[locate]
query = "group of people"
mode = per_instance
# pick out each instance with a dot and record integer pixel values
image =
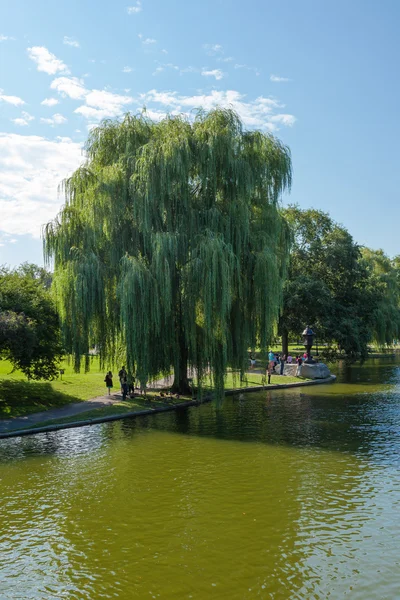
(126, 380)
(275, 359)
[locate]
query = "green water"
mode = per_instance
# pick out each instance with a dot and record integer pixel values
(291, 494)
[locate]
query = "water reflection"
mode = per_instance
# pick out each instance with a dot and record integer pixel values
(289, 495)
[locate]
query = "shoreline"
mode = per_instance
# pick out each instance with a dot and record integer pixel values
(158, 409)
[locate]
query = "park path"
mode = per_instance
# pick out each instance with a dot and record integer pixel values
(76, 408)
(69, 410)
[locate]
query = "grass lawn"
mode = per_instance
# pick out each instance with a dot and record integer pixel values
(130, 405)
(19, 397)
(254, 379)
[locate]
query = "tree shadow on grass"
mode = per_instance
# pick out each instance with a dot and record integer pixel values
(20, 398)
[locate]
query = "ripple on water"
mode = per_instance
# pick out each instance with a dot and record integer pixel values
(283, 495)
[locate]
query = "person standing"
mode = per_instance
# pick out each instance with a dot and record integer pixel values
(289, 359)
(109, 382)
(131, 384)
(270, 369)
(124, 389)
(299, 362)
(122, 378)
(283, 360)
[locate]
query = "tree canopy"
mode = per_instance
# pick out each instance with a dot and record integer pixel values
(29, 324)
(384, 281)
(348, 293)
(171, 244)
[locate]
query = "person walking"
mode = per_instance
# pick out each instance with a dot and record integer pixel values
(124, 389)
(269, 370)
(131, 384)
(109, 382)
(299, 362)
(283, 360)
(122, 377)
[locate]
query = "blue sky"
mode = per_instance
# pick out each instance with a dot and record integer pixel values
(321, 75)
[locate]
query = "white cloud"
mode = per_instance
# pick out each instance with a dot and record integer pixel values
(4, 38)
(164, 51)
(287, 120)
(146, 41)
(14, 100)
(133, 10)
(127, 70)
(49, 102)
(69, 86)
(46, 61)
(213, 49)
(31, 168)
(56, 119)
(260, 113)
(254, 69)
(24, 119)
(163, 66)
(106, 100)
(188, 70)
(69, 41)
(277, 79)
(101, 104)
(217, 73)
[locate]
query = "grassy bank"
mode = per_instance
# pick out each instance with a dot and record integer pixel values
(19, 397)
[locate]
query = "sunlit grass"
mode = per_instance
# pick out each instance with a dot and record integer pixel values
(19, 397)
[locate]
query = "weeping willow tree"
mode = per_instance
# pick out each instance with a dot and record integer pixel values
(383, 279)
(172, 245)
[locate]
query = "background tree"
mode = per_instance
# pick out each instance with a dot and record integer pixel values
(29, 324)
(329, 285)
(384, 275)
(171, 242)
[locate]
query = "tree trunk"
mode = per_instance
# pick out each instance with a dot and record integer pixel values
(181, 383)
(285, 342)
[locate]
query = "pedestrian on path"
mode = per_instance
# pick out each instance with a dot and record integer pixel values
(283, 360)
(109, 382)
(299, 362)
(270, 368)
(123, 375)
(131, 384)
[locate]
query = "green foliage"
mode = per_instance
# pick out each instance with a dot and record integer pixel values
(350, 295)
(29, 325)
(384, 281)
(19, 398)
(171, 244)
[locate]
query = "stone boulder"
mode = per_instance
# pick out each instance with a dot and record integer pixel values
(316, 371)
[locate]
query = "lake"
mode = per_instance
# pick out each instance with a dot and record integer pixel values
(282, 494)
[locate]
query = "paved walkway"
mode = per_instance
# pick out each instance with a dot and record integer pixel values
(78, 408)
(69, 410)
